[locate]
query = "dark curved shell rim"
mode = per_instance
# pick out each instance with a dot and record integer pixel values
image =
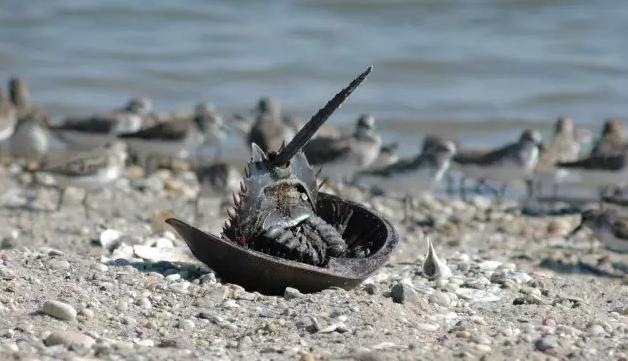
(280, 273)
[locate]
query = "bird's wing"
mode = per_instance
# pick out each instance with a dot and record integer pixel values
(85, 164)
(597, 163)
(94, 124)
(470, 156)
(325, 150)
(399, 167)
(172, 130)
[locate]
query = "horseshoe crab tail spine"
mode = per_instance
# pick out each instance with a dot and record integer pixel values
(304, 135)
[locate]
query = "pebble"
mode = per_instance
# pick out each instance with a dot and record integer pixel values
(440, 299)
(596, 330)
(173, 277)
(546, 343)
(144, 303)
(69, 339)
(60, 310)
(292, 293)
(186, 324)
(6, 273)
(230, 304)
(59, 264)
(109, 239)
(528, 300)
(402, 292)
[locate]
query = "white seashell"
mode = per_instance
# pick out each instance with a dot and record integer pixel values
(434, 267)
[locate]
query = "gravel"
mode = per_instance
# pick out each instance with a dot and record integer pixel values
(513, 289)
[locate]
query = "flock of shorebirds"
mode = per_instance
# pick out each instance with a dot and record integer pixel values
(91, 152)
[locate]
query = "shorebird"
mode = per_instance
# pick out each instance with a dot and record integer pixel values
(90, 170)
(564, 147)
(612, 141)
(218, 179)
(411, 175)
(598, 171)
(21, 99)
(340, 158)
(609, 226)
(419, 173)
(175, 139)
(387, 155)
(31, 138)
(8, 116)
(98, 129)
(515, 161)
(271, 129)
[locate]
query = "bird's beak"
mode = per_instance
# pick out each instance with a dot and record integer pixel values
(575, 230)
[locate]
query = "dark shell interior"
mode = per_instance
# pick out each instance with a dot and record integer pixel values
(258, 271)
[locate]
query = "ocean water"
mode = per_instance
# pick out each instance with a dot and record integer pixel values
(482, 69)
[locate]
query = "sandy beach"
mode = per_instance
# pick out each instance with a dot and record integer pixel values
(120, 285)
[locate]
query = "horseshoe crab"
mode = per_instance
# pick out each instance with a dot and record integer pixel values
(283, 232)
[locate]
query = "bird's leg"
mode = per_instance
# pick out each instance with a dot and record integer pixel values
(450, 185)
(85, 206)
(501, 193)
(197, 201)
(530, 188)
(407, 204)
(463, 190)
(61, 195)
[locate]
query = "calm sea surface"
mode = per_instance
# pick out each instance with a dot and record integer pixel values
(497, 64)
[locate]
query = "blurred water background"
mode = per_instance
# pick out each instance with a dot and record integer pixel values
(482, 69)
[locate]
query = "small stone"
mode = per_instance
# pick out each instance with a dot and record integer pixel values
(69, 339)
(546, 343)
(528, 300)
(440, 299)
(109, 239)
(596, 330)
(100, 267)
(230, 304)
(87, 312)
(60, 310)
(144, 303)
(402, 292)
(483, 347)
(173, 277)
(59, 264)
(370, 288)
(481, 339)
(549, 322)
(292, 293)
(6, 273)
(308, 357)
(186, 324)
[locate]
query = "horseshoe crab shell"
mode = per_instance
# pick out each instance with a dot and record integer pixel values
(257, 271)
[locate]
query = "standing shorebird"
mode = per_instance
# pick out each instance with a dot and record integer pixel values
(418, 174)
(8, 116)
(613, 139)
(271, 129)
(564, 147)
(598, 171)
(90, 170)
(515, 161)
(609, 226)
(387, 155)
(98, 129)
(175, 139)
(340, 158)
